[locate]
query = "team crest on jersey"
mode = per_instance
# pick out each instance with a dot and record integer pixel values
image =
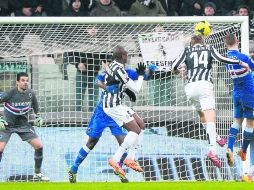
(30, 95)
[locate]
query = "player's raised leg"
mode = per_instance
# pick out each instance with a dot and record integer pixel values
(130, 159)
(233, 131)
(220, 140)
(248, 135)
(130, 139)
(82, 154)
(207, 117)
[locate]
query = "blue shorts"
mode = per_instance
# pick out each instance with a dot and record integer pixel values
(99, 121)
(243, 105)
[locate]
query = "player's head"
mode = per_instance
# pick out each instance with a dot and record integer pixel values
(22, 81)
(231, 40)
(120, 54)
(197, 39)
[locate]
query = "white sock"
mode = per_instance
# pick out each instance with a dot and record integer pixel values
(130, 139)
(133, 149)
(132, 152)
(211, 131)
(218, 138)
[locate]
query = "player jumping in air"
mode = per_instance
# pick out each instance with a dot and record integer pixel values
(100, 121)
(243, 98)
(120, 113)
(198, 59)
(17, 103)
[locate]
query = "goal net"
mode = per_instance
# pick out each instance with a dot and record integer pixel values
(175, 144)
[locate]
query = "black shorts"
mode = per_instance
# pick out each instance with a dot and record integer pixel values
(26, 133)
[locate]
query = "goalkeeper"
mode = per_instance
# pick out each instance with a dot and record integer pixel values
(100, 120)
(18, 101)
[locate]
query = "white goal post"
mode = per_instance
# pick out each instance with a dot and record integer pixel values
(175, 144)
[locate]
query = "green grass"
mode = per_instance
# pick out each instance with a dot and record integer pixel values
(130, 186)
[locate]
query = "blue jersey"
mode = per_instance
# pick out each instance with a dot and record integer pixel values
(100, 120)
(243, 93)
(241, 77)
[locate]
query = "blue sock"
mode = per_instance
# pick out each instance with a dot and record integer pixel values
(122, 159)
(247, 135)
(232, 135)
(79, 159)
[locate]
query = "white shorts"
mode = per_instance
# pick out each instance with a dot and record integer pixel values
(201, 95)
(120, 114)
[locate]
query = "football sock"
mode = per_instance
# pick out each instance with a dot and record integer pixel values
(132, 152)
(218, 138)
(247, 135)
(123, 158)
(1, 155)
(83, 152)
(211, 131)
(130, 139)
(38, 157)
(133, 149)
(232, 135)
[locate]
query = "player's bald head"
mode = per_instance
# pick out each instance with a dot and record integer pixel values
(118, 53)
(197, 39)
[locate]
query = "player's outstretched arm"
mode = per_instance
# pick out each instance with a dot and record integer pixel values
(136, 86)
(218, 57)
(179, 61)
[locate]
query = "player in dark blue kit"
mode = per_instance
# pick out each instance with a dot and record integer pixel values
(243, 98)
(100, 120)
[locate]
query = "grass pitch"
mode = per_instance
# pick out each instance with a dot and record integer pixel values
(130, 186)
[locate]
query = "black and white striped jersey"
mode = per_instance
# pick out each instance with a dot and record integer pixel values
(198, 60)
(115, 74)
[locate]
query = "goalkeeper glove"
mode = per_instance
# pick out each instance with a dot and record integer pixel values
(3, 123)
(131, 95)
(152, 67)
(38, 120)
(141, 69)
(113, 89)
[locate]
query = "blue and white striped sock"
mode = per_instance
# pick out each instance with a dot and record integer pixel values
(83, 152)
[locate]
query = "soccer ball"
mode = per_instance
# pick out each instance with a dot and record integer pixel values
(203, 28)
